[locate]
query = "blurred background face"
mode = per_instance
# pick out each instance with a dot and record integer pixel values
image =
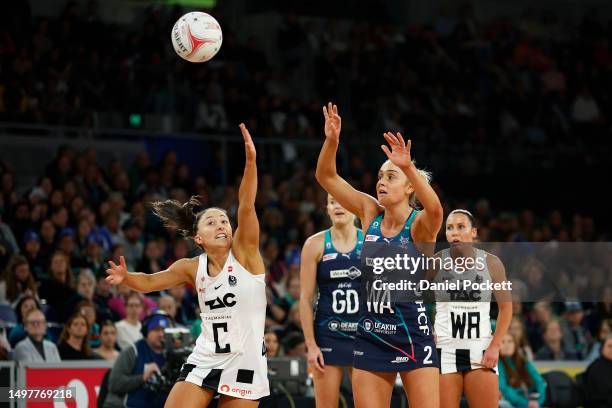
(553, 332)
(459, 228)
(338, 214)
(90, 314)
(26, 306)
(22, 272)
(542, 312)
(516, 328)
(606, 349)
(168, 305)
(508, 346)
(36, 325)
(108, 336)
(78, 328)
(294, 288)
(58, 268)
(133, 307)
(86, 286)
(155, 338)
(271, 344)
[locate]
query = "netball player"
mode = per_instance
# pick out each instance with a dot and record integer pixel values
(229, 356)
(391, 337)
(330, 262)
(467, 349)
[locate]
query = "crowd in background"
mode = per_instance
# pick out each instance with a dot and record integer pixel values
(457, 82)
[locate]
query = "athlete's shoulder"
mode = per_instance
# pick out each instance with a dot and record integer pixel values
(313, 245)
(187, 266)
(493, 262)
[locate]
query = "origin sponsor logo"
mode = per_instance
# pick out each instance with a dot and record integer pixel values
(329, 257)
(371, 238)
(235, 390)
(358, 353)
(327, 349)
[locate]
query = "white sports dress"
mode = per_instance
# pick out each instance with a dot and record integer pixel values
(229, 356)
(462, 322)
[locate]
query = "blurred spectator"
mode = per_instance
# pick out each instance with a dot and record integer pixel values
(17, 281)
(35, 348)
(132, 243)
(151, 261)
(85, 290)
(185, 311)
(87, 308)
(597, 382)
(8, 243)
(272, 346)
(128, 329)
(57, 289)
(517, 330)
(575, 335)
(108, 341)
(73, 342)
(294, 345)
(605, 331)
(31, 250)
(24, 306)
(518, 377)
(540, 316)
(554, 348)
(102, 295)
(135, 366)
(118, 303)
(168, 305)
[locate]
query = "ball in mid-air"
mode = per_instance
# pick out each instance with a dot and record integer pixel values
(196, 37)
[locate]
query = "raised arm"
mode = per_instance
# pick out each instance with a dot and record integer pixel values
(311, 253)
(247, 234)
(181, 271)
(428, 222)
(362, 205)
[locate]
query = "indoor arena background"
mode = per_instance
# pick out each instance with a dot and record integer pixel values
(508, 103)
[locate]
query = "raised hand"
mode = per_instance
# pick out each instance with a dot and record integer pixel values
(117, 273)
(333, 122)
(400, 151)
(249, 146)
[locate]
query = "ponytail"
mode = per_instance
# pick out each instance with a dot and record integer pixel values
(413, 200)
(180, 217)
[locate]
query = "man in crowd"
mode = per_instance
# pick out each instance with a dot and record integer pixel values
(34, 347)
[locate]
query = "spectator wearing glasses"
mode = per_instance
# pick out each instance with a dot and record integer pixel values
(128, 329)
(34, 347)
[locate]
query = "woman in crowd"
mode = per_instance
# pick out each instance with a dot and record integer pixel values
(520, 383)
(73, 343)
(108, 341)
(17, 281)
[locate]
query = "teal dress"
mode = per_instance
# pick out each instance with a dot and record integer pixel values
(518, 396)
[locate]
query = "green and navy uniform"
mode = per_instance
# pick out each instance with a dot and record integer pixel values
(337, 306)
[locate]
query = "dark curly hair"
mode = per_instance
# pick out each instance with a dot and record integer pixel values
(183, 218)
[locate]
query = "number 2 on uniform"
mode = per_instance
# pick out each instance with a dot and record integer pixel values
(427, 359)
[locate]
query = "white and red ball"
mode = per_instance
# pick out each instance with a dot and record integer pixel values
(197, 37)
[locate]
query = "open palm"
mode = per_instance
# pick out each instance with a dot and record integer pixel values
(399, 154)
(333, 121)
(116, 273)
(249, 146)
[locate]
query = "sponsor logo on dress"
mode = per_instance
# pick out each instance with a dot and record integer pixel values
(230, 268)
(351, 273)
(333, 325)
(327, 349)
(232, 280)
(329, 257)
(400, 359)
(377, 327)
(357, 353)
(235, 390)
(371, 238)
